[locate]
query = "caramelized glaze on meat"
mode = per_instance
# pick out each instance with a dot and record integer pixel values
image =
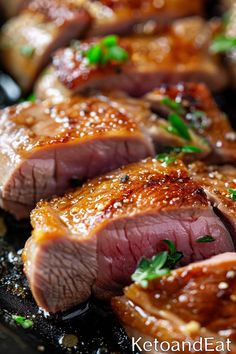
(74, 118)
(217, 182)
(194, 301)
(94, 237)
(43, 146)
(31, 37)
(112, 16)
(180, 53)
(231, 32)
(126, 192)
(211, 124)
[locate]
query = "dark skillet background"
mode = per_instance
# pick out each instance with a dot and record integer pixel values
(93, 323)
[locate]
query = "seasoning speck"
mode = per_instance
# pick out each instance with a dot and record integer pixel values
(223, 285)
(117, 205)
(230, 274)
(124, 179)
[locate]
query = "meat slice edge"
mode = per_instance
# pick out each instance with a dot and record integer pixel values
(116, 231)
(31, 37)
(44, 147)
(194, 301)
(149, 64)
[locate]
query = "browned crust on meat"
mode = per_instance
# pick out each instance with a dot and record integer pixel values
(194, 293)
(130, 190)
(58, 11)
(75, 120)
(217, 181)
(216, 128)
(119, 16)
(170, 51)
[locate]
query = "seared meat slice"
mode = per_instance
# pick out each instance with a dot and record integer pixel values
(91, 240)
(219, 182)
(43, 147)
(11, 8)
(112, 16)
(180, 53)
(231, 32)
(200, 112)
(156, 124)
(192, 302)
(30, 38)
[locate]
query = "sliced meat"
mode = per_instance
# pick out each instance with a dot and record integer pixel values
(231, 32)
(91, 240)
(180, 53)
(194, 302)
(43, 147)
(30, 38)
(156, 124)
(197, 107)
(112, 16)
(217, 182)
(11, 8)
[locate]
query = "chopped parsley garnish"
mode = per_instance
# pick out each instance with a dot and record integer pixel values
(107, 50)
(187, 149)
(205, 239)
(223, 44)
(165, 158)
(232, 194)
(23, 321)
(27, 50)
(168, 158)
(31, 98)
(173, 105)
(157, 266)
(178, 126)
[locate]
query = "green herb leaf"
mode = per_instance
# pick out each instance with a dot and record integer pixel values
(31, 98)
(165, 158)
(187, 149)
(173, 105)
(106, 50)
(174, 256)
(177, 122)
(110, 41)
(27, 50)
(223, 44)
(94, 54)
(232, 194)
(205, 239)
(171, 130)
(117, 54)
(157, 266)
(23, 321)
